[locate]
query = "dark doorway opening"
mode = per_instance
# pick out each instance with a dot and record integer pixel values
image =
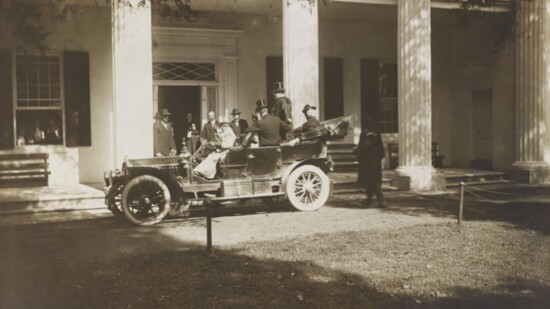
(334, 87)
(180, 100)
(274, 74)
(370, 95)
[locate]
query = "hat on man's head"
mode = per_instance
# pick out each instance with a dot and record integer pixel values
(261, 103)
(164, 112)
(157, 115)
(235, 111)
(278, 87)
(308, 107)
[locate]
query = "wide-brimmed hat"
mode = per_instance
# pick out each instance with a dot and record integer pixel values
(261, 103)
(308, 107)
(164, 112)
(235, 111)
(278, 87)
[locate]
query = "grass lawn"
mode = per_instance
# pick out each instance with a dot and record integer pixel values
(500, 258)
(484, 265)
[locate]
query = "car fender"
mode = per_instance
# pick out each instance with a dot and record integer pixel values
(319, 162)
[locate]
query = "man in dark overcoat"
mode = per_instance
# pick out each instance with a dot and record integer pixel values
(269, 127)
(238, 125)
(283, 105)
(163, 135)
(370, 152)
(209, 129)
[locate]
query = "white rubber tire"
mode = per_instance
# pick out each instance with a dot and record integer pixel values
(307, 188)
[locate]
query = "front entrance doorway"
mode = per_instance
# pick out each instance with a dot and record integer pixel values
(180, 100)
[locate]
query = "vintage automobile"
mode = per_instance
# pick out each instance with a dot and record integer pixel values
(147, 190)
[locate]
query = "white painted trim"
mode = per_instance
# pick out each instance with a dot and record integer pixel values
(186, 60)
(184, 83)
(499, 8)
(174, 45)
(225, 33)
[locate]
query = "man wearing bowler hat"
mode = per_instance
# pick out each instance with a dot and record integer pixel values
(238, 125)
(269, 127)
(283, 105)
(163, 135)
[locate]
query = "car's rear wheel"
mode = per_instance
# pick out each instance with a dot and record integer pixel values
(307, 188)
(145, 200)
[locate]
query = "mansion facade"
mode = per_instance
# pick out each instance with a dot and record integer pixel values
(416, 66)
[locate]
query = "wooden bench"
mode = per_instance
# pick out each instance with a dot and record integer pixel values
(393, 155)
(24, 170)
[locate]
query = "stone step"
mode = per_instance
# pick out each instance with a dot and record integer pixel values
(479, 183)
(331, 146)
(474, 178)
(343, 158)
(344, 151)
(47, 199)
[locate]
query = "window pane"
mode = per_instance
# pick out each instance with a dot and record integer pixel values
(38, 78)
(42, 127)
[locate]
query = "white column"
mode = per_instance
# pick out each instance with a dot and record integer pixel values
(228, 86)
(132, 80)
(301, 55)
(532, 95)
(415, 94)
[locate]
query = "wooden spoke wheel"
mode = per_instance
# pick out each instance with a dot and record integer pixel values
(307, 188)
(145, 200)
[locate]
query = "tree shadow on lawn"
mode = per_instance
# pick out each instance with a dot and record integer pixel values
(528, 215)
(101, 264)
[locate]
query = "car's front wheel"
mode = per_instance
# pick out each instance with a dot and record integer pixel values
(307, 188)
(115, 205)
(145, 200)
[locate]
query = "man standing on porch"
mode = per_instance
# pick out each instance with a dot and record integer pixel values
(163, 135)
(209, 129)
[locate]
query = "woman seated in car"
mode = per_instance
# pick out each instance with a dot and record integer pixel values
(225, 139)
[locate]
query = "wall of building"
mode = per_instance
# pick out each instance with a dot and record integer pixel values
(477, 63)
(467, 65)
(88, 30)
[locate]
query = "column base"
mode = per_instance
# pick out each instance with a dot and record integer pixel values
(530, 172)
(419, 178)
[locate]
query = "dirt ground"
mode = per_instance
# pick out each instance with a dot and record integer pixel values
(411, 254)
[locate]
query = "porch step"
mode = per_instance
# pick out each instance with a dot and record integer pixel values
(346, 182)
(453, 179)
(343, 157)
(47, 199)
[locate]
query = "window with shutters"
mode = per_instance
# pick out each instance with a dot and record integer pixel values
(38, 100)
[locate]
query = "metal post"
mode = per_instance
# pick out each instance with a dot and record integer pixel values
(208, 226)
(461, 205)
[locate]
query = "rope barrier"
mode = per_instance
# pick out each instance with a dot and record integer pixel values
(480, 197)
(470, 189)
(491, 191)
